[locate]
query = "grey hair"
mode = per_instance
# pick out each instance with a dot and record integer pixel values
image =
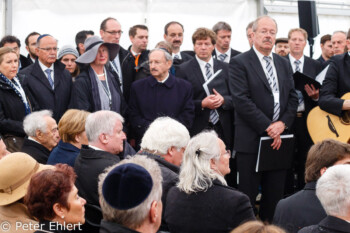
(163, 133)
(195, 173)
(221, 26)
(36, 121)
(333, 190)
(342, 32)
(134, 217)
(101, 122)
(167, 55)
(255, 23)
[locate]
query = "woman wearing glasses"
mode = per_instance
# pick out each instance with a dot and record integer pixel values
(202, 201)
(96, 87)
(14, 104)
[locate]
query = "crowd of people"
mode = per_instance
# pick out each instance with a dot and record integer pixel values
(97, 138)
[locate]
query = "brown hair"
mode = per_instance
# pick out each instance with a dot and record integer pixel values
(324, 154)
(297, 30)
(257, 227)
(325, 38)
(47, 188)
(164, 45)
(171, 23)
(6, 50)
(203, 34)
(133, 29)
(71, 124)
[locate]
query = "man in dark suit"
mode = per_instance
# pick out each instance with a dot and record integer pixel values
(307, 98)
(160, 94)
(47, 80)
(42, 138)
(223, 52)
(336, 84)
(265, 104)
(327, 51)
(111, 31)
(174, 35)
(333, 190)
(303, 208)
(211, 111)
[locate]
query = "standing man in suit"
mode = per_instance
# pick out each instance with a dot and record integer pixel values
(265, 104)
(307, 99)
(327, 51)
(213, 111)
(222, 50)
(111, 31)
(47, 80)
(174, 35)
(337, 83)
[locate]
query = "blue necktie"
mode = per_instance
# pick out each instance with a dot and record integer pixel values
(49, 77)
(222, 57)
(214, 115)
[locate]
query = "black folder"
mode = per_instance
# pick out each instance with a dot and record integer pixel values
(300, 80)
(270, 159)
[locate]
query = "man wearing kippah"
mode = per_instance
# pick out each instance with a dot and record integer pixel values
(130, 196)
(47, 80)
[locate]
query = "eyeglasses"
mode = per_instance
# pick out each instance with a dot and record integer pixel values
(55, 49)
(265, 32)
(115, 33)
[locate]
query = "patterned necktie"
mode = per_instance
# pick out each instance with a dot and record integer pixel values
(273, 84)
(214, 115)
(300, 95)
(49, 77)
(222, 57)
(177, 57)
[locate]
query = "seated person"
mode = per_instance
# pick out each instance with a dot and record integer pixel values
(53, 199)
(14, 181)
(333, 190)
(140, 212)
(42, 133)
(71, 129)
(303, 208)
(202, 191)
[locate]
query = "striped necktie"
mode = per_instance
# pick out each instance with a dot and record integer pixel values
(222, 57)
(49, 77)
(274, 87)
(214, 115)
(300, 95)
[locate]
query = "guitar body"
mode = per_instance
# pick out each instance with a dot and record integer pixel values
(322, 125)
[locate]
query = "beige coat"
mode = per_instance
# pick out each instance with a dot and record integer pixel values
(17, 217)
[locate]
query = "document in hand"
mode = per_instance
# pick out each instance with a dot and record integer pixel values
(206, 84)
(301, 80)
(270, 159)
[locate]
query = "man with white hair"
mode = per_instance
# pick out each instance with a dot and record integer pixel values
(165, 141)
(42, 132)
(161, 94)
(47, 80)
(338, 42)
(104, 130)
(333, 191)
(139, 212)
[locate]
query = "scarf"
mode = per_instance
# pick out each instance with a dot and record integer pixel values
(16, 86)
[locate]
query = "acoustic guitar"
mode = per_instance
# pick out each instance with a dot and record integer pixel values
(322, 125)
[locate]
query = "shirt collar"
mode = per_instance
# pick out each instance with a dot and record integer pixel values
(261, 56)
(43, 67)
(95, 148)
(228, 53)
(168, 81)
(292, 59)
(178, 54)
(203, 63)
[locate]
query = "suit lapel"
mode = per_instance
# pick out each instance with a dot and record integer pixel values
(57, 78)
(38, 73)
(280, 72)
(197, 72)
(256, 64)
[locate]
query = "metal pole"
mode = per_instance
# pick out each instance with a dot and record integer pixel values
(8, 17)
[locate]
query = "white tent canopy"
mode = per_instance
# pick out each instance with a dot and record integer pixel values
(64, 18)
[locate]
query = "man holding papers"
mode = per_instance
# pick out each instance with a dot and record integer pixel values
(307, 98)
(265, 105)
(212, 111)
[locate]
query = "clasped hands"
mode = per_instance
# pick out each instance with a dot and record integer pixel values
(274, 131)
(213, 101)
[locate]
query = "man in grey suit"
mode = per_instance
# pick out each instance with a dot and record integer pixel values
(265, 105)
